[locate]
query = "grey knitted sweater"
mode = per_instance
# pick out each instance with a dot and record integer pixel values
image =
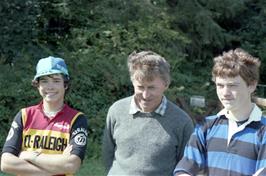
(144, 144)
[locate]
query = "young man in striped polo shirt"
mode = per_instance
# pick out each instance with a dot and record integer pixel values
(233, 142)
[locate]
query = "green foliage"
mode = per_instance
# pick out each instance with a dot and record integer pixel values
(19, 29)
(91, 167)
(253, 32)
(95, 38)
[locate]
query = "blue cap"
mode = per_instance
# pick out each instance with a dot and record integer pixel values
(51, 65)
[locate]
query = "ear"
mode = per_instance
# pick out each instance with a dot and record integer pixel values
(166, 86)
(65, 86)
(253, 86)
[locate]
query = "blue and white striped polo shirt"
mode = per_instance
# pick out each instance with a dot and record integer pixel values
(213, 148)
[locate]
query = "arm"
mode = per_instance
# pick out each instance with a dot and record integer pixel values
(259, 172)
(182, 174)
(108, 147)
(70, 160)
(54, 163)
(14, 165)
(194, 159)
(187, 131)
(10, 162)
(261, 157)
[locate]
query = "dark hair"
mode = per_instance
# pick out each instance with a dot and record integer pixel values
(35, 83)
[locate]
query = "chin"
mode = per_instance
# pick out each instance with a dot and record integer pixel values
(146, 109)
(228, 107)
(50, 100)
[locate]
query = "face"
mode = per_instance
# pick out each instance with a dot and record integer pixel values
(148, 94)
(234, 93)
(52, 88)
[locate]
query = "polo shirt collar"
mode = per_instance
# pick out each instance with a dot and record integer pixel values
(40, 107)
(255, 114)
(160, 110)
(233, 128)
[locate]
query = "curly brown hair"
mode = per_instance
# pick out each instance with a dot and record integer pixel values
(237, 62)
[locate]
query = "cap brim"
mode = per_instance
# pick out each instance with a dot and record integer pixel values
(48, 73)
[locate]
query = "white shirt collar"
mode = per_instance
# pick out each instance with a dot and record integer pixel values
(255, 114)
(233, 128)
(160, 110)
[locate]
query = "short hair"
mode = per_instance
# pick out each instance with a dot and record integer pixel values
(237, 62)
(146, 65)
(35, 83)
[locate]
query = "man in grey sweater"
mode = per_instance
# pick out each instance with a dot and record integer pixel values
(145, 134)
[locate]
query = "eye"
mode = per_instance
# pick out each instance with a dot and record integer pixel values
(57, 80)
(43, 81)
(219, 85)
(232, 85)
(152, 88)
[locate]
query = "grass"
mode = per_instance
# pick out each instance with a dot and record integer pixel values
(90, 167)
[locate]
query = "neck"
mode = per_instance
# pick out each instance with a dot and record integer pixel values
(242, 114)
(48, 107)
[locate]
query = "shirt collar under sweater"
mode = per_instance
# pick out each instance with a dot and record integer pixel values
(160, 110)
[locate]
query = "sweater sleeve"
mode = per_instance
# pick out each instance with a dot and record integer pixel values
(188, 130)
(194, 159)
(108, 147)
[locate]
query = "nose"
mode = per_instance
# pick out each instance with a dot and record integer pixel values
(50, 85)
(145, 94)
(226, 90)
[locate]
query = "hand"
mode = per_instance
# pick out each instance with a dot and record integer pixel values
(29, 155)
(68, 150)
(182, 174)
(259, 172)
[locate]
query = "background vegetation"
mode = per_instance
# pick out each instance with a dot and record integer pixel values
(96, 36)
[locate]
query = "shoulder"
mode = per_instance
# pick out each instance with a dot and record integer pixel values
(263, 120)
(80, 122)
(29, 113)
(261, 125)
(123, 103)
(178, 118)
(76, 115)
(211, 122)
(31, 108)
(71, 110)
(174, 110)
(80, 117)
(211, 118)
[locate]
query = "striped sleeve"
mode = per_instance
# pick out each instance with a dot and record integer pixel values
(261, 158)
(194, 159)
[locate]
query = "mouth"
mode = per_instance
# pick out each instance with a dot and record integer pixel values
(227, 100)
(50, 93)
(145, 100)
